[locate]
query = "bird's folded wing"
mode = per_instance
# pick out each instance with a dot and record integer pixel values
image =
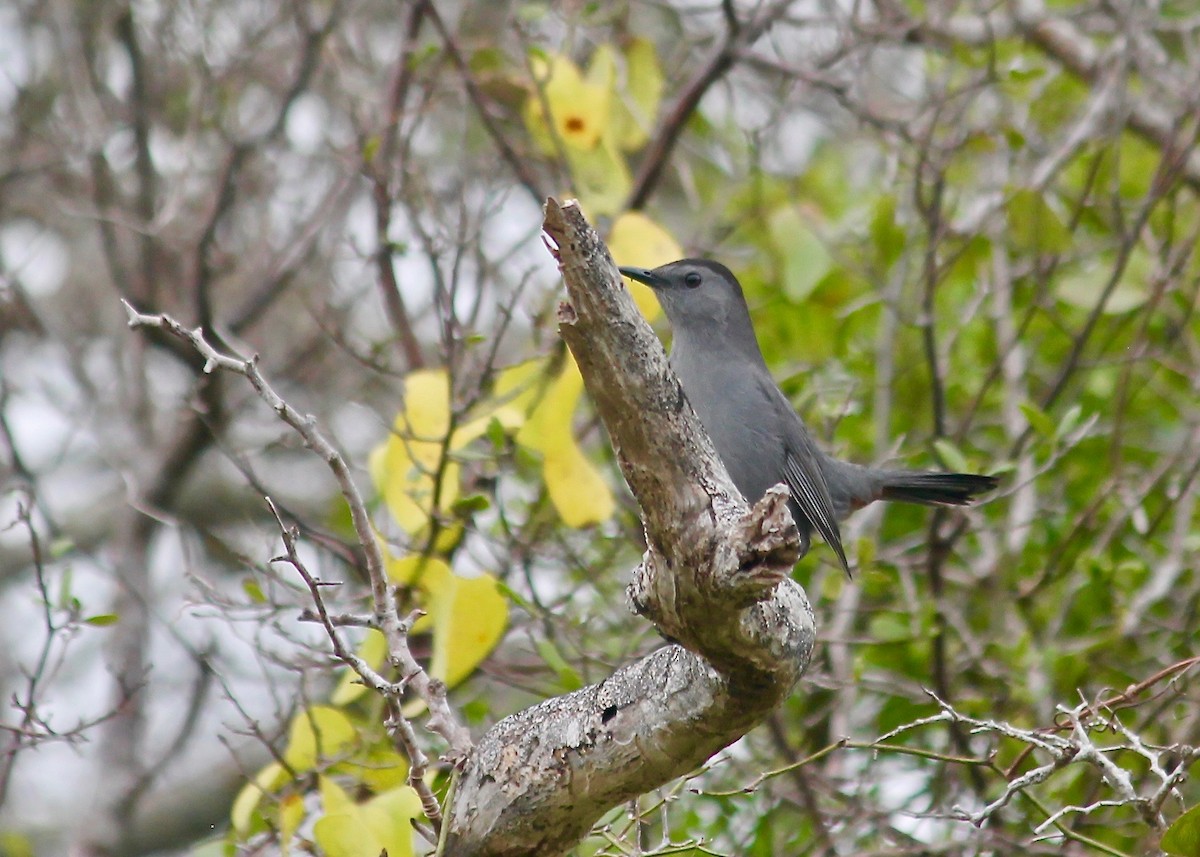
(806, 481)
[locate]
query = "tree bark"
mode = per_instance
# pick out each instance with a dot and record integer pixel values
(715, 579)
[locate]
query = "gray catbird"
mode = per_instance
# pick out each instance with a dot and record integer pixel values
(751, 423)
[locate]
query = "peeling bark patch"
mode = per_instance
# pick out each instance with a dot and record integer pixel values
(566, 313)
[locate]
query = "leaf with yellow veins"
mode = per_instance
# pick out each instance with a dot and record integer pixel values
(637, 240)
(317, 733)
(578, 108)
(576, 488)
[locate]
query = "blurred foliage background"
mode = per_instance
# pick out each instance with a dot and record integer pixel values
(967, 232)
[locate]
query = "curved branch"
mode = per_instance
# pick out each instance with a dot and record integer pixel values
(715, 579)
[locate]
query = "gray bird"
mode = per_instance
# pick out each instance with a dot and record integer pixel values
(760, 439)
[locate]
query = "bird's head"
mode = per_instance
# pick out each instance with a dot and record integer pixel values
(701, 298)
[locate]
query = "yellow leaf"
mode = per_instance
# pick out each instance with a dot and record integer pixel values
(517, 387)
(366, 830)
(469, 616)
(388, 817)
(512, 395)
(333, 797)
(380, 769)
(405, 471)
(342, 831)
(404, 467)
(637, 240)
(415, 569)
(317, 733)
(343, 835)
(291, 814)
(578, 109)
(426, 414)
(576, 487)
(265, 781)
(350, 686)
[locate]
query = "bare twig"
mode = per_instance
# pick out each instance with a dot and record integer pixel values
(515, 161)
(396, 723)
(737, 38)
(442, 719)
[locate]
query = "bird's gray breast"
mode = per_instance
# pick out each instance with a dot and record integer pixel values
(739, 419)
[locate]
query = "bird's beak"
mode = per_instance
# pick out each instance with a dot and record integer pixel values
(645, 275)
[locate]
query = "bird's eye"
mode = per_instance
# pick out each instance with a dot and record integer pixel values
(692, 280)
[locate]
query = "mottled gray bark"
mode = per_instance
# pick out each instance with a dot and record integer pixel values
(715, 579)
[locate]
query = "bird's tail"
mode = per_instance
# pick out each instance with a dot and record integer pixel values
(934, 489)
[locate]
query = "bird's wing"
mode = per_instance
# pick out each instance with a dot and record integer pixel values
(807, 484)
(806, 480)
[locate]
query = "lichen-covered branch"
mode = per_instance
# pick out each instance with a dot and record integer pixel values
(715, 579)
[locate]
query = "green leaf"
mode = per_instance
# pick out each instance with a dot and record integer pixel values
(1038, 420)
(1070, 420)
(496, 433)
(802, 255)
(1084, 285)
(633, 116)
(1183, 837)
(600, 177)
(1033, 225)
(65, 599)
(371, 148)
(102, 620)
(888, 238)
(568, 677)
(951, 455)
(470, 505)
(253, 590)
